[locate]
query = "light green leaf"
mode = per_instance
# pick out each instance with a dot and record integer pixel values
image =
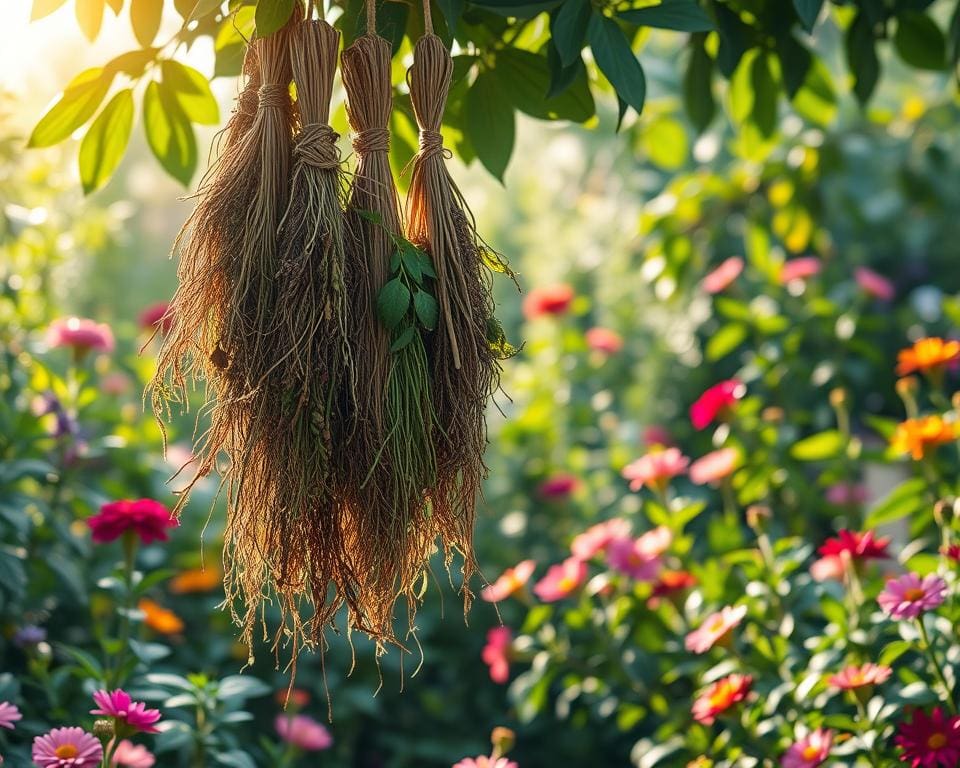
(724, 341)
(169, 132)
(77, 105)
(664, 141)
(823, 445)
(105, 142)
(192, 92)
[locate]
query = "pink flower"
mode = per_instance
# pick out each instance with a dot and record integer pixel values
(721, 696)
(115, 383)
(812, 750)
(929, 741)
(561, 580)
(147, 518)
(640, 558)
(909, 596)
(597, 538)
(133, 714)
(604, 340)
(852, 676)
(548, 300)
(829, 568)
(303, 732)
(715, 466)
(130, 755)
(559, 487)
(656, 468)
(156, 315)
(800, 269)
(715, 629)
(723, 276)
(874, 284)
(716, 402)
(843, 494)
(496, 653)
(80, 334)
(657, 435)
(67, 748)
(482, 761)
(9, 714)
(509, 582)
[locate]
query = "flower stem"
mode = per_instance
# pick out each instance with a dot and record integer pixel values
(129, 561)
(935, 664)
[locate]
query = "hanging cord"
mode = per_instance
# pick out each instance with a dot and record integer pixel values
(371, 17)
(427, 18)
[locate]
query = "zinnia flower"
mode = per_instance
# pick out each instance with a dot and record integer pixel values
(482, 761)
(671, 584)
(160, 619)
(196, 580)
(715, 629)
(67, 748)
(843, 494)
(559, 487)
(81, 335)
(720, 696)
(509, 582)
(800, 269)
(930, 740)
(723, 276)
(496, 653)
(597, 538)
(716, 402)
(561, 580)
(852, 676)
(951, 552)
(147, 518)
(828, 569)
(604, 340)
(919, 436)
(926, 355)
(656, 468)
(909, 596)
(133, 714)
(874, 284)
(156, 315)
(303, 732)
(640, 558)
(130, 755)
(9, 714)
(857, 546)
(547, 300)
(812, 750)
(714, 466)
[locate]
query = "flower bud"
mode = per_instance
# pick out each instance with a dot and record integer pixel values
(907, 385)
(772, 414)
(502, 739)
(104, 730)
(838, 397)
(757, 516)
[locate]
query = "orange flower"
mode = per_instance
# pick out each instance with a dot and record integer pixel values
(160, 619)
(927, 355)
(195, 580)
(919, 436)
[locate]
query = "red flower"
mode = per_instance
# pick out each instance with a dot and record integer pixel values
(858, 546)
(147, 518)
(930, 740)
(951, 552)
(156, 315)
(716, 402)
(548, 300)
(558, 487)
(670, 585)
(496, 653)
(604, 340)
(720, 696)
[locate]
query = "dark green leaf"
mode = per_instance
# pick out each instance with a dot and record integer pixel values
(169, 132)
(920, 42)
(272, 15)
(192, 92)
(452, 11)
(42, 8)
(404, 339)
(765, 96)
(77, 105)
(616, 60)
(106, 141)
(393, 303)
(735, 40)
(145, 17)
(697, 85)
(428, 312)
(808, 11)
(817, 99)
(89, 17)
(562, 77)
(795, 63)
(568, 27)
(525, 77)
(862, 58)
(490, 123)
(682, 15)
(519, 10)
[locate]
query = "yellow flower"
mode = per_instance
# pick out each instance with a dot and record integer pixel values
(195, 580)
(159, 619)
(927, 355)
(919, 436)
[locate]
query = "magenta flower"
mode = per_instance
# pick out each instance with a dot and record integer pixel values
(303, 732)
(482, 761)
(810, 751)
(81, 335)
(715, 629)
(561, 580)
(67, 748)
(909, 596)
(874, 284)
(930, 741)
(9, 714)
(558, 487)
(130, 755)
(800, 269)
(714, 466)
(625, 556)
(723, 276)
(604, 340)
(156, 316)
(147, 518)
(496, 653)
(597, 538)
(716, 403)
(132, 714)
(656, 468)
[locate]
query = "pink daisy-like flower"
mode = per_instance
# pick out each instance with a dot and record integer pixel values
(656, 468)
(149, 519)
(721, 696)
(548, 300)
(597, 538)
(930, 741)
(604, 340)
(9, 714)
(800, 269)
(118, 705)
(715, 629)
(716, 402)
(482, 761)
(130, 755)
(496, 653)
(81, 335)
(714, 466)
(843, 494)
(67, 748)
(640, 558)
(810, 751)
(558, 487)
(562, 580)
(874, 284)
(303, 732)
(909, 595)
(852, 676)
(509, 582)
(156, 316)
(723, 276)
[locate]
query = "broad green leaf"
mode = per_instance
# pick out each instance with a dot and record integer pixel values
(169, 132)
(404, 339)
(724, 341)
(89, 17)
(145, 17)
(664, 141)
(272, 15)
(42, 8)
(823, 445)
(519, 10)
(905, 499)
(393, 303)
(817, 100)
(616, 60)
(105, 142)
(894, 651)
(766, 93)
(192, 91)
(132, 63)
(735, 39)
(862, 57)
(489, 123)
(698, 86)
(427, 309)
(568, 27)
(920, 42)
(525, 77)
(77, 105)
(681, 15)
(452, 11)
(808, 11)
(230, 44)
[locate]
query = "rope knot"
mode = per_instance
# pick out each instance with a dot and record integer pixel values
(247, 102)
(317, 146)
(431, 143)
(274, 95)
(372, 140)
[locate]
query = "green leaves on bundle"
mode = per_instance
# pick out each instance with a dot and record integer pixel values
(406, 303)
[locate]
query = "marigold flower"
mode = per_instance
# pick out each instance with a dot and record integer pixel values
(656, 468)
(130, 755)
(874, 284)
(858, 546)
(509, 582)
(852, 676)
(160, 619)
(303, 732)
(931, 354)
(562, 580)
(196, 580)
(714, 466)
(496, 653)
(9, 714)
(800, 269)
(723, 276)
(155, 316)
(715, 629)
(908, 596)
(716, 402)
(721, 696)
(147, 518)
(80, 334)
(559, 487)
(482, 761)
(604, 340)
(133, 714)
(67, 748)
(930, 740)
(548, 300)
(810, 751)
(597, 538)
(920, 436)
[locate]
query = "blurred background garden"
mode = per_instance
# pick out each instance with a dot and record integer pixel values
(709, 458)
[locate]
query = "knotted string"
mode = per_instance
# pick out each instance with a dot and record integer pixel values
(372, 140)
(317, 146)
(274, 95)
